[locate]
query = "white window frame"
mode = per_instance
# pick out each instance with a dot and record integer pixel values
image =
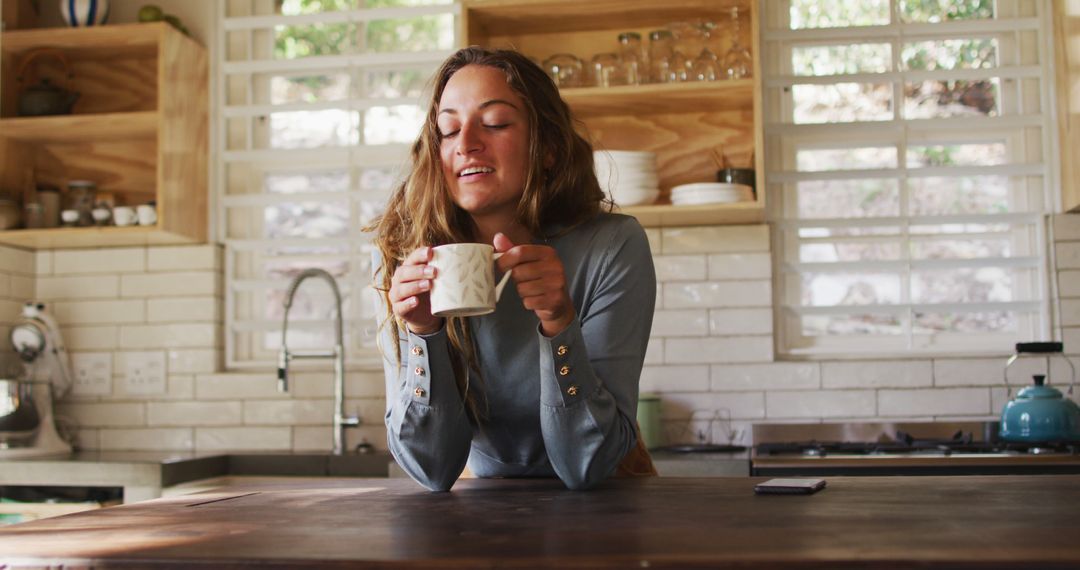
(783, 139)
(243, 334)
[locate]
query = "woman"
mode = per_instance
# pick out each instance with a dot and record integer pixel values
(546, 385)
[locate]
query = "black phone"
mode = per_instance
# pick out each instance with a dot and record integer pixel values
(789, 487)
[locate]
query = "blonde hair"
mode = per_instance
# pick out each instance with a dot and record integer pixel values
(421, 211)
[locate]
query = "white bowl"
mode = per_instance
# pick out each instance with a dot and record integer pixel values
(634, 196)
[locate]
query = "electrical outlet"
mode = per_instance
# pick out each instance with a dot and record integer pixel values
(93, 373)
(145, 372)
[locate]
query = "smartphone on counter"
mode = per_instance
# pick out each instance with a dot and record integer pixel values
(789, 487)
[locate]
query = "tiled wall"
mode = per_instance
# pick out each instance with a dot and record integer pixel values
(710, 357)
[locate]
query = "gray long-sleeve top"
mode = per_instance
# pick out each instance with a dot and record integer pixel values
(564, 405)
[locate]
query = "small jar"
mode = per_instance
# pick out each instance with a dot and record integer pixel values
(33, 216)
(632, 58)
(49, 198)
(9, 214)
(81, 194)
(607, 70)
(566, 70)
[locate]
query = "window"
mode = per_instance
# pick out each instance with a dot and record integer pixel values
(910, 160)
(319, 101)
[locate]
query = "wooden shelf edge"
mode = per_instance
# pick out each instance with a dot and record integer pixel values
(666, 216)
(91, 237)
(661, 98)
(147, 34)
(81, 128)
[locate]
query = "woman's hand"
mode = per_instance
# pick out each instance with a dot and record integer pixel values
(410, 295)
(541, 282)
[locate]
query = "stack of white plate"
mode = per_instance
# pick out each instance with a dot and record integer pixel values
(710, 193)
(628, 177)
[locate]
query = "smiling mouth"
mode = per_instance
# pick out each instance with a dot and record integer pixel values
(473, 171)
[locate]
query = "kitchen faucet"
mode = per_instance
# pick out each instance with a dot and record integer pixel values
(338, 354)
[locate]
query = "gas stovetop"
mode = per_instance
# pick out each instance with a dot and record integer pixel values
(903, 449)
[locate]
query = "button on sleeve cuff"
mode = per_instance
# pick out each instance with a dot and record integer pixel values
(566, 377)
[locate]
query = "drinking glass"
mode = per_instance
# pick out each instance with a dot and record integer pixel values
(607, 70)
(661, 55)
(737, 61)
(632, 58)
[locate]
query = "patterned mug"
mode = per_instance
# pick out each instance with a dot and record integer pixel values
(464, 283)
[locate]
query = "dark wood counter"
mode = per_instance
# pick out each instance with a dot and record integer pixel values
(872, 522)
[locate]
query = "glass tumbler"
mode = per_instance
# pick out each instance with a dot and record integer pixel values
(632, 58)
(661, 55)
(566, 70)
(607, 70)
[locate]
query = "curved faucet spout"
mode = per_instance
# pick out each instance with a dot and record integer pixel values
(337, 354)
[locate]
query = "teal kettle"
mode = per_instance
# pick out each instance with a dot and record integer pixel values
(1039, 413)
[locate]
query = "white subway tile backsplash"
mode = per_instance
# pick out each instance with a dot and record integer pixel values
(16, 261)
(243, 438)
(180, 335)
(99, 312)
(1068, 254)
(1066, 227)
(110, 261)
(1070, 312)
(22, 288)
(877, 374)
(715, 239)
(43, 262)
(1071, 337)
(184, 310)
(970, 371)
(193, 360)
(675, 379)
(1068, 283)
(712, 406)
(821, 404)
(654, 352)
(185, 257)
(740, 266)
(238, 386)
(194, 413)
(717, 294)
(89, 287)
(944, 401)
(320, 384)
(653, 235)
(178, 284)
(289, 412)
(694, 322)
(106, 414)
(680, 267)
(90, 338)
(148, 439)
(718, 350)
(730, 322)
(773, 376)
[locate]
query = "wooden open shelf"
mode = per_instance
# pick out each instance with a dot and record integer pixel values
(139, 129)
(710, 96)
(685, 124)
(81, 128)
(704, 215)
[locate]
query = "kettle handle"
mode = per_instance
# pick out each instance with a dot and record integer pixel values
(1040, 347)
(39, 52)
(1053, 347)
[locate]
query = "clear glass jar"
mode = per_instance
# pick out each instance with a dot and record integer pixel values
(607, 70)
(566, 70)
(81, 194)
(632, 58)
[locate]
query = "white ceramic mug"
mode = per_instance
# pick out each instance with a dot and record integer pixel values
(147, 215)
(464, 283)
(124, 215)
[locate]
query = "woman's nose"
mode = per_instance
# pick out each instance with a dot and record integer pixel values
(469, 140)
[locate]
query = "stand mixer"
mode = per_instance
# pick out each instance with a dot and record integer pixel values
(27, 423)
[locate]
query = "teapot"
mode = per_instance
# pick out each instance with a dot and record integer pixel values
(44, 98)
(1040, 413)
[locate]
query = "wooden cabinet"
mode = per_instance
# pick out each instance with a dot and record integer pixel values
(1067, 52)
(683, 123)
(138, 130)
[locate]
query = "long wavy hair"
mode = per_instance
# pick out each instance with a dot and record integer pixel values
(422, 212)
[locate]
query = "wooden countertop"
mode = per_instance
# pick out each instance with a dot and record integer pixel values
(870, 522)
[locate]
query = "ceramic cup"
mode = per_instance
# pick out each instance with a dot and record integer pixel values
(69, 217)
(124, 216)
(101, 216)
(464, 283)
(147, 215)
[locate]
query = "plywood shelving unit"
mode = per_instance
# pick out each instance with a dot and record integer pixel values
(139, 129)
(682, 123)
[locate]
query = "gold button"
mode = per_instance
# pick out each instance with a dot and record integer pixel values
(419, 371)
(419, 392)
(572, 390)
(564, 371)
(563, 349)
(416, 350)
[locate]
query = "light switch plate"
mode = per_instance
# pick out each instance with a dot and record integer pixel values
(145, 372)
(93, 373)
